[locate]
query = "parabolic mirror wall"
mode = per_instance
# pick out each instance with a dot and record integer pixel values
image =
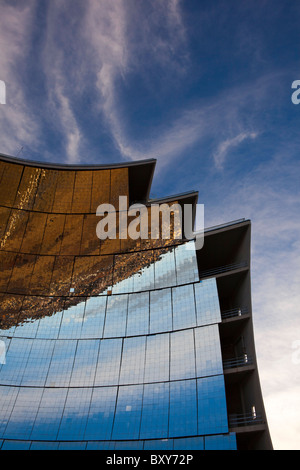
(109, 344)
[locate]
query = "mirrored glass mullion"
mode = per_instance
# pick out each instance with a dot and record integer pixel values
(8, 396)
(38, 363)
(116, 316)
(182, 361)
(133, 360)
(186, 263)
(16, 360)
(94, 316)
(165, 270)
(212, 408)
(207, 302)
(157, 360)
(24, 412)
(74, 418)
(183, 408)
(101, 413)
(208, 351)
(72, 319)
(184, 314)
(138, 314)
(84, 368)
(160, 310)
(49, 326)
(155, 411)
(61, 364)
(128, 412)
(109, 359)
(49, 414)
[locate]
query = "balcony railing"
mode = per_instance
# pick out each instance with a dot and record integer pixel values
(240, 361)
(222, 269)
(234, 312)
(249, 419)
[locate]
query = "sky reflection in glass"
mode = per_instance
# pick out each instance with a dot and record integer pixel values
(137, 364)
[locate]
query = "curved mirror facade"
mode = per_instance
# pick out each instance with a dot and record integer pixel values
(102, 348)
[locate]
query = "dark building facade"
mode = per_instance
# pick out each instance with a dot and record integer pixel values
(120, 344)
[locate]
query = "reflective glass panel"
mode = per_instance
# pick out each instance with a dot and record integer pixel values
(129, 445)
(37, 366)
(94, 315)
(116, 316)
(47, 421)
(155, 412)
(189, 443)
(101, 445)
(184, 315)
(101, 413)
(157, 362)
(212, 411)
(16, 359)
(8, 397)
(208, 351)
(16, 445)
(183, 408)
(27, 329)
(128, 412)
(133, 360)
(61, 365)
(165, 270)
(144, 278)
(72, 320)
(48, 327)
(186, 263)
(24, 412)
(159, 444)
(72, 446)
(44, 445)
(108, 365)
(221, 442)
(85, 362)
(182, 364)
(207, 302)
(138, 314)
(75, 414)
(123, 273)
(160, 311)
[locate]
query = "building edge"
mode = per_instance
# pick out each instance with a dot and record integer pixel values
(226, 256)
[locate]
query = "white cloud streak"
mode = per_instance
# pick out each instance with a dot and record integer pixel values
(111, 32)
(264, 197)
(228, 144)
(107, 42)
(17, 123)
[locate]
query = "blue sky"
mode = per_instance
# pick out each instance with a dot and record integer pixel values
(205, 88)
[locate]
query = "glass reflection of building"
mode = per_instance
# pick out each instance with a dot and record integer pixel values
(120, 344)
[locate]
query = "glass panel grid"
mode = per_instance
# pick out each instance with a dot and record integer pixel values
(133, 360)
(207, 302)
(141, 364)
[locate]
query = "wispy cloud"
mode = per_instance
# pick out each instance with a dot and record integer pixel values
(101, 48)
(264, 196)
(125, 39)
(17, 123)
(228, 144)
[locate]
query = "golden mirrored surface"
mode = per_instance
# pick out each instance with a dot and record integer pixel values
(49, 249)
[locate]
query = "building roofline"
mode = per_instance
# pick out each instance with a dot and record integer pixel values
(140, 172)
(227, 225)
(190, 195)
(65, 166)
